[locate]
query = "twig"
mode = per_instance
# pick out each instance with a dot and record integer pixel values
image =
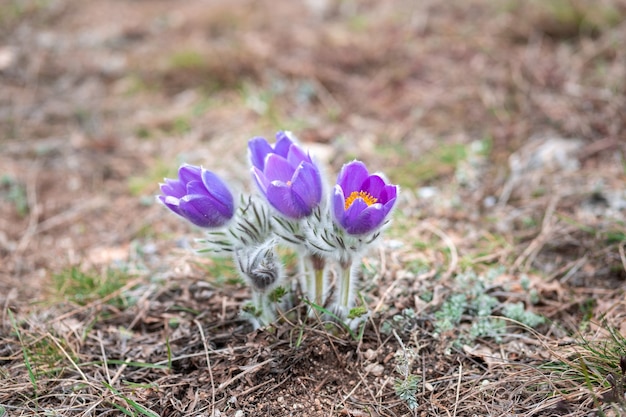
(208, 364)
(385, 294)
(104, 358)
(530, 253)
(33, 217)
(244, 394)
(120, 370)
(229, 350)
(577, 265)
(69, 215)
(56, 342)
(325, 96)
(362, 381)
(449, 243)
(248, 370)
(399, 340)
(458, 389)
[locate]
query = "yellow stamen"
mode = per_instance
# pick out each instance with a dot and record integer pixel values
(364, 195)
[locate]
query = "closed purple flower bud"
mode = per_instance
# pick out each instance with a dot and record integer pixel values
(286, 175)
(199, 196)
(361, 202)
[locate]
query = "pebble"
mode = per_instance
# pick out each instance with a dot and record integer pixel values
(8, 57)
(375, 369)
(370, 354)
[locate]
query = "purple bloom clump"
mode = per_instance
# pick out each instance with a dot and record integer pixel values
(199, 196)
(361, 201)
(286, 175)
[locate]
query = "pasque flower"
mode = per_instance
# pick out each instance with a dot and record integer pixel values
(199, 196)
(329, 239)
(286, 175)
(361, 201)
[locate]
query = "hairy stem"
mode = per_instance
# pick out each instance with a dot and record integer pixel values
(263, 307)
(347, 280)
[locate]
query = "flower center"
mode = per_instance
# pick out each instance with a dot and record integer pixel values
(364, 195)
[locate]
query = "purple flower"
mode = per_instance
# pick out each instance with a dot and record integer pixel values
(361, 201)
(199, 196)
(286, 176)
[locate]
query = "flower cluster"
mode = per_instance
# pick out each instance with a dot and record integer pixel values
(326, 233)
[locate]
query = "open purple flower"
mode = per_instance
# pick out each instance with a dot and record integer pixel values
(199, 196)
(361, 201)
(286, 175)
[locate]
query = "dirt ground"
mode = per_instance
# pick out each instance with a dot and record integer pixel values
(503, 122)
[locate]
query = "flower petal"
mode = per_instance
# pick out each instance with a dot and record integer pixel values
(351, 215)
(374, 185)
(278, 169)
(259, 149)
(282, 198)
(302, 207)
(389, 193)
(170, 202)
(196, 188)
(339, 203)
(219, 191)
(368, 220)
(352, 176)
(307, 184)
(389, 205)
(202, 211)
(196, 191)
(283, 143)
(261, 180)
(173, 188)
(188, 173)
(296, 156)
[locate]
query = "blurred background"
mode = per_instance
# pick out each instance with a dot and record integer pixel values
(481, 110)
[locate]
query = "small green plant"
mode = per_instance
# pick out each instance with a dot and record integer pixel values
(220, 271)
(434, 164)
(472, 304)
(519, 313)
(404, 323)
(26, 355)
(15, 193)
(136, 409)
(277, 294)
(356, 312)
(83, 287)
(13, 11)
(143, 184)
(599, 358)
(618, 384)
(450, 313)
(180, 126)
(354, 320)
(597, 365)
(407, 384)
(187, 59)
(533, 294)
(406, 388)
